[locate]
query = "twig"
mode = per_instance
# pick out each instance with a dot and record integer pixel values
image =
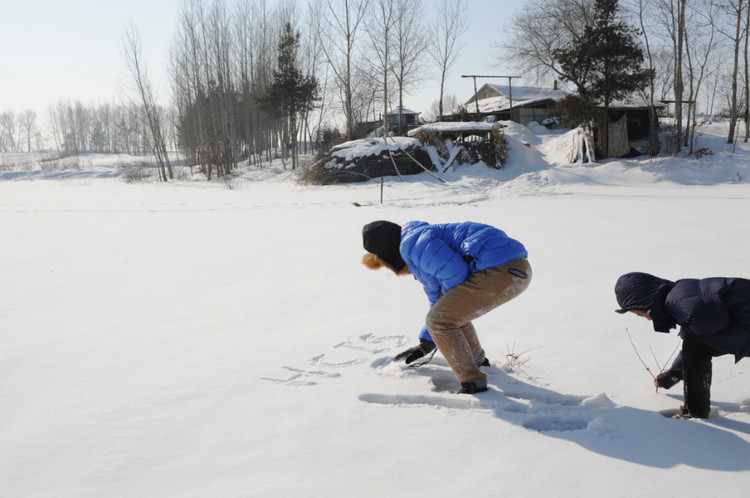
(671, 356)
(395, 167)
(638, 355)
(514, 359)
(415, 160)
(422, 166)
(653, 355)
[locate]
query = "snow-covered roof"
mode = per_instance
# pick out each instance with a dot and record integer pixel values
(351, 150)
(526, 95)
(634, 102)
(522, 96)
(404, 110)
(459, 126)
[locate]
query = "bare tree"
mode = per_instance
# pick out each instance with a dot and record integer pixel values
(314, 63)
(104, 128)
(640, 9)
(7, 132)
(679, 85)
(340, 30)
(734, 9)
(410, 45)
(449, 25)
(134, 62)
(188, 65)
(450, 101)
(71, 125)
(380, 27)
(669, 24)
(747, 72)
(698, 51)
(27, 121)
(54, 120)
(254, 46)
(542, 28)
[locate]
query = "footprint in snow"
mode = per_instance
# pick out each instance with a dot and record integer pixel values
(530, 406)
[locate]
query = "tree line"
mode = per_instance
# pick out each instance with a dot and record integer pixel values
(252, 77)
(691, 52)
(76, 128)
(19, 131)
(249, 77)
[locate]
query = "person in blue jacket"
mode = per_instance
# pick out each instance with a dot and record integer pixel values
(466, 270)
(714, 319)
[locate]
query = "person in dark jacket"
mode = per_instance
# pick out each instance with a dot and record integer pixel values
(714, 319)
(466, 270)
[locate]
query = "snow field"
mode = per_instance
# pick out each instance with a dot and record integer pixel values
(190, 340)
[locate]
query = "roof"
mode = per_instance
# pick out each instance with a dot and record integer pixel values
(462, 127)
(522, 96)
(527, 95)
(404, 110)
(634, 102)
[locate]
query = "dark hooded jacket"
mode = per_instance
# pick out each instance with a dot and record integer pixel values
(715, 311)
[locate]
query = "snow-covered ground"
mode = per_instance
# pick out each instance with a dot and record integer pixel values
(193, 340)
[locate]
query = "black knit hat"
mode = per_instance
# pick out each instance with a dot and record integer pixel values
(383, 238)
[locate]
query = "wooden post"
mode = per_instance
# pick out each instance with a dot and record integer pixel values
(476, 97)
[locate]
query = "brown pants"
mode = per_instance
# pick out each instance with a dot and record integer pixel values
(449, 320)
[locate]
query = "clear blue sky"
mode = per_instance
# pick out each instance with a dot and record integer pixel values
(71, 49)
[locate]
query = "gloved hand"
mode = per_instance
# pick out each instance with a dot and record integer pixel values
(415, 352)
(665, 380)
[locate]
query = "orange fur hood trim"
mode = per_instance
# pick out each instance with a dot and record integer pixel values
(373, 262)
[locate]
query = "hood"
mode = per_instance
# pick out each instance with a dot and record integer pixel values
(644, 292)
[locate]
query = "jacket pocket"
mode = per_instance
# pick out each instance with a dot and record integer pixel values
(518, 273)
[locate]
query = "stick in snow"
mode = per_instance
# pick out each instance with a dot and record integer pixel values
(415, 160)
(638, 355)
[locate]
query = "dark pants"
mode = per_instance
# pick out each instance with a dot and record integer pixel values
(696, 371)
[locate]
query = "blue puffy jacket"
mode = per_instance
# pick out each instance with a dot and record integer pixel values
(442, 256)
(716, 311)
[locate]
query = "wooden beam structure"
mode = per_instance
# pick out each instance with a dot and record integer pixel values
(476, 97)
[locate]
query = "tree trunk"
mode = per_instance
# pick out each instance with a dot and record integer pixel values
(678, 83)
(747, 75)
(735, 70)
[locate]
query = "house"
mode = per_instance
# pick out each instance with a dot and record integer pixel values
(630, 130)
(407, 118)
(521, 104)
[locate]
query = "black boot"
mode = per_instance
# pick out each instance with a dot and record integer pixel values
(473, 386)
(684, 414)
